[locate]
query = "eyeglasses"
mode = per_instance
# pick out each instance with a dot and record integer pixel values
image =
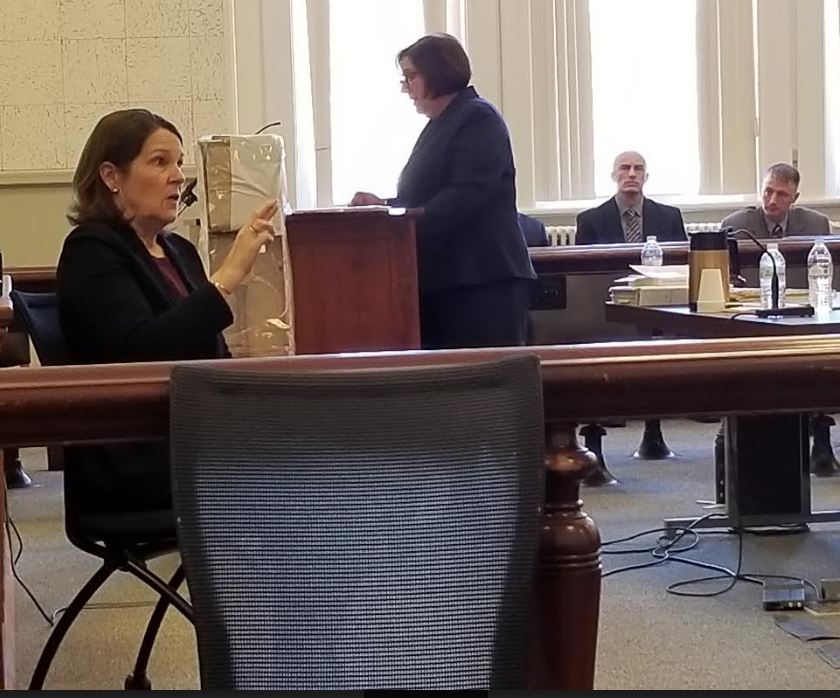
(408, 77)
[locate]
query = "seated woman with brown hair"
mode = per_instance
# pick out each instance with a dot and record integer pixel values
(130, 290)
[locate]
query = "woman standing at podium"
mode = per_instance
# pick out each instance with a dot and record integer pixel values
(476, 278)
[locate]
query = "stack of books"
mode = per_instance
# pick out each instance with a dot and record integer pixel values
(665, 285)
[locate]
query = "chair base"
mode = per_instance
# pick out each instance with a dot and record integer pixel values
(16, 477)
(137, 683)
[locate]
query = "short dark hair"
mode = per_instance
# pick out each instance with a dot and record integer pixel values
(784, 173)
(117, 138)
(442, 61)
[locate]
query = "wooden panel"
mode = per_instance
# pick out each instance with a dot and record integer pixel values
(355, 281)
(667, 378)
(580, 383)
(588, 259)
(7, 597)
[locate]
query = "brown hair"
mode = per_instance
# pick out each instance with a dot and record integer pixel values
(118, 138)
(442, 61)
(783, 172)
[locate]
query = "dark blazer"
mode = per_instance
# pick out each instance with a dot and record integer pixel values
(534, 231)
(116, 306)
(801, 221)
(461, 173)
(602, 225)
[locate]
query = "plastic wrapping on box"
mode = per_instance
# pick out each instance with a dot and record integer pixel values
(236, 176)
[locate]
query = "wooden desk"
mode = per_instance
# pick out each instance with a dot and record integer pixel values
(576, 281)
(678, 320)
(767, 466)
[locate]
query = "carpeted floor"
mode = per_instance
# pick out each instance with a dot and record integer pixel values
(649, 639)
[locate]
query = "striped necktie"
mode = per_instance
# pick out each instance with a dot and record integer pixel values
(777, 231)
(632, 229)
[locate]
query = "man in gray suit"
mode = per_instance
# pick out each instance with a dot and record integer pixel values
(777, 217)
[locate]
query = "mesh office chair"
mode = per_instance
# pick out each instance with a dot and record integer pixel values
(360, 530)
(123, 540)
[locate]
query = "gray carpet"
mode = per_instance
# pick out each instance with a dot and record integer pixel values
(648, 638)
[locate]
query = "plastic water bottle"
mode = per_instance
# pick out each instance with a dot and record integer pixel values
(820, 276)
(765, 276)
(651, 252)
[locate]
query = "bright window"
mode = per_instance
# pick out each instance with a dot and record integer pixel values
(374, 125)
(644, 86)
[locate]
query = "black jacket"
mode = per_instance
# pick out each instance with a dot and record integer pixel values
(461, 173)
(534, 231)
(116, 306)
(602, 225)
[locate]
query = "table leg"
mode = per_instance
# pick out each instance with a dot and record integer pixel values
(16, 477)
(653, 446)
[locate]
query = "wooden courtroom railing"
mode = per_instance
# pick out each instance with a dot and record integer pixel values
(583, 259)
(580, 383)
(571, 259)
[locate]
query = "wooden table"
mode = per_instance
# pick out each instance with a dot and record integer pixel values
(767, 464)
(678, 320)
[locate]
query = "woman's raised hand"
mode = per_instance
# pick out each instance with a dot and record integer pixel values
(258, 231)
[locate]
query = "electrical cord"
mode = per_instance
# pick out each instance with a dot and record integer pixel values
(10, 526)
(666, 550)
(660, 550)
(726, 573)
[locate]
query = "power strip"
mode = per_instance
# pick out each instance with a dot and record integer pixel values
(783, 596)
(830, 589)
(791, 311)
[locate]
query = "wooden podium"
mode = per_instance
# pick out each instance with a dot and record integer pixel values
(354, 276)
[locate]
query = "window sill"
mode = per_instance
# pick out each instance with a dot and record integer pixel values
(687, 204)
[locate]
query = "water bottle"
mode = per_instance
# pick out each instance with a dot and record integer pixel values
(651, 252)
(820, 276)
(765, 276)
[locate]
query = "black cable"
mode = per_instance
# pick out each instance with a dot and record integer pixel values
(801, 580)
(660, 550)
(19, 540)
(726, 574)
(9, 526)
(268, 125)
(665, 550)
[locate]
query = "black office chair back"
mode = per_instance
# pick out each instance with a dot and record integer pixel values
(354, 530)
(39, 312)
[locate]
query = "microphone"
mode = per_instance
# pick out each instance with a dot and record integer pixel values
(774, 310)
(267, 126)
(188, 197)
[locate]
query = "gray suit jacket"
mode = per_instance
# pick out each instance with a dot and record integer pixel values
(801, 221)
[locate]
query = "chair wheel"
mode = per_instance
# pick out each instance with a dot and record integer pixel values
(137, 683)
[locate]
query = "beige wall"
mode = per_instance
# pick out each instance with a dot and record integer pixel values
(32, 223)
(65, 63)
